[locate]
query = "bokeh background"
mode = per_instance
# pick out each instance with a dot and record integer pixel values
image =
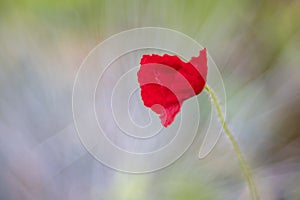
(255, 45)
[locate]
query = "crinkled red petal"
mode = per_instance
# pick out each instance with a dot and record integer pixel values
(166, 82)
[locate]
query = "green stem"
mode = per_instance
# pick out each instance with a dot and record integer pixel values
(243, 164)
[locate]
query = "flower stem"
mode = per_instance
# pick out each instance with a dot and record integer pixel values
(242, 162)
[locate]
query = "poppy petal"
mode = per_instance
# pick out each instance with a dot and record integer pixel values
(166, 82)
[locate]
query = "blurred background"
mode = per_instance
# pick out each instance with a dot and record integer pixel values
(255, 45)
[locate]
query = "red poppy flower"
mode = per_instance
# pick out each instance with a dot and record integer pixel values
(167, 81)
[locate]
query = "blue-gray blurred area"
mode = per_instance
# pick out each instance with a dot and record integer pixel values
(254, 43)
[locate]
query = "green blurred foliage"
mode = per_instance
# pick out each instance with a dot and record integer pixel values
(274, 23)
